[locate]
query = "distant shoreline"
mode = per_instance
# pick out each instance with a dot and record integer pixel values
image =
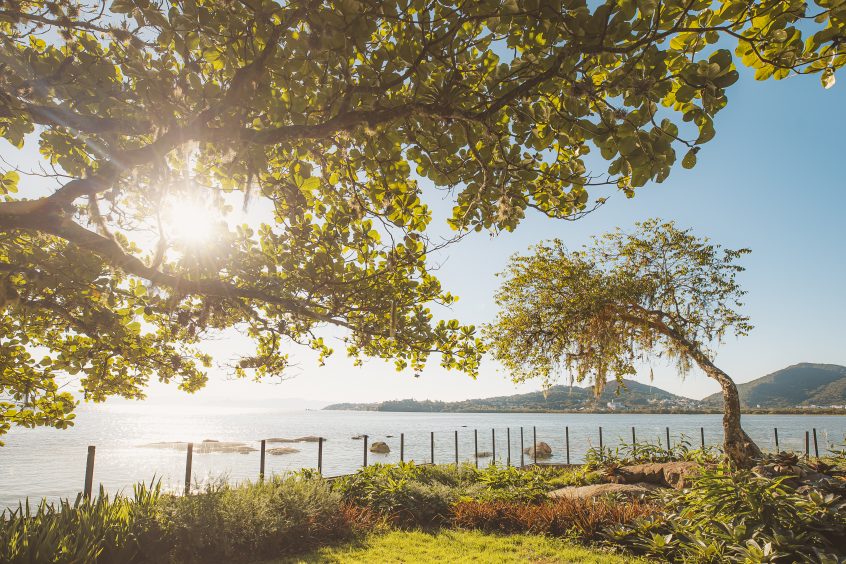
(752, 411)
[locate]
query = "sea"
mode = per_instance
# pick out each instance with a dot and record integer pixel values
(50, 463)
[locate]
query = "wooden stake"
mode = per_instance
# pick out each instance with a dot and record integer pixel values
(89, 472)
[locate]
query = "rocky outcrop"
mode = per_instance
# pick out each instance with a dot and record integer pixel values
(277, 451)
(306, 439)
(543, 450)
(598, 490)
(380, 447)
(668, 474)
(208, 446)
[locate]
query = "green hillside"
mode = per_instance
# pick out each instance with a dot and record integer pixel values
(802, 384)
(630, 396)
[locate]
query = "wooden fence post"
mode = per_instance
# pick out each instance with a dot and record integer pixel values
(567, 442)
(261, 461)
(535, 444)
(601, 450)
(89, 472)
(522, 459)
(493, 447)
(188, 461)
(320, 455)
(402, 447)
(432, 446)
(508, 438)
(702, 436)
(816, 449)
(476, 445)
(365, 451)
(807, 445)
(775, 432)
(456, 448)
(669, 449)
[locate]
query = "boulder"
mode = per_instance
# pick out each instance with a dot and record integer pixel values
(208, 446)
(668, 474)
(484, 454)
(598, 490)
(380, 447)
(282, 450)
(543, 450)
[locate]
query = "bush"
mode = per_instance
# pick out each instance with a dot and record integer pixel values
(96, 530)
(583, 518)
(736, 516)
(251, 521)
(646, 452)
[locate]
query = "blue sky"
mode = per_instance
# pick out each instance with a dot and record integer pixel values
(771, 180)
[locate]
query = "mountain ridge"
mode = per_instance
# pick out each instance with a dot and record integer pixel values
(800, 385)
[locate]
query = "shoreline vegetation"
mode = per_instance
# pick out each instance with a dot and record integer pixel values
(682, 505)
(715, 411)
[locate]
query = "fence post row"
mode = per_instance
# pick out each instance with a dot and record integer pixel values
(89, 472)
(261, 460)
(188, 460)
(320, 455)
(365, 451)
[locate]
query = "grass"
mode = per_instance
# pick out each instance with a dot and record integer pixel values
(458, 546)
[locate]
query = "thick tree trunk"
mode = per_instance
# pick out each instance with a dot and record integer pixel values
(739, 448)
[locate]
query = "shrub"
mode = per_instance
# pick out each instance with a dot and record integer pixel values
(251, 521)
(646, 452)
(96, 530)
(584, 518)
(736, 516)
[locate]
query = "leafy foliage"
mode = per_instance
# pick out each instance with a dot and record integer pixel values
(337, 117)
(645, 452)
(736, 516)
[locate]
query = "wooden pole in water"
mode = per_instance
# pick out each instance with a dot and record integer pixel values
(188, 460)
(456, 448)
(807, 445)
(476, 445)
(402, 447)
(493, 446)
(522, 459)
(535, 444)
(702, 436)
(261, 460)
(601, 451)
(432, 446)
(634, 439)
(816, 449)
(668, 440)
(775, 432)
(567, 442)
(320, 455)
(508, 438)
(365, 451)
(89, 472)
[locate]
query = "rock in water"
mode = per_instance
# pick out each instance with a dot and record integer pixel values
(543, 450)
(282, 450)
(380, 447)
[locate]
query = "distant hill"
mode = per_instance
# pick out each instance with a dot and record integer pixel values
(802, 384)
(630, 396)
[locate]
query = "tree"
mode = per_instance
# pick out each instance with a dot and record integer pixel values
(596, 313)
(330, 117)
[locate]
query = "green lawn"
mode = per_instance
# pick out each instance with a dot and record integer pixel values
(458, 546)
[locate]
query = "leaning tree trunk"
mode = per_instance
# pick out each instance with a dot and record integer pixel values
(738, 447)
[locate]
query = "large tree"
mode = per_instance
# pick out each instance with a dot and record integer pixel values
(598, 312)
(325, 115)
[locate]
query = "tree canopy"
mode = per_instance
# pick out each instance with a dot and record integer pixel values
(332, 117)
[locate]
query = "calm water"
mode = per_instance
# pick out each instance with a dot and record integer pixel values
(51, 463)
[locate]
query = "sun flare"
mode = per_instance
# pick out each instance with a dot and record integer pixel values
(191, 221)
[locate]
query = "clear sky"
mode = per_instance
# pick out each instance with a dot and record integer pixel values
(771, 180)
